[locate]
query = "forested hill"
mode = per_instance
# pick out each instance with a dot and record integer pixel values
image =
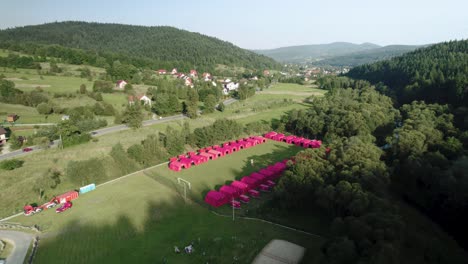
(367, 56)
(159, 43)
(436, 74)
(308, 53)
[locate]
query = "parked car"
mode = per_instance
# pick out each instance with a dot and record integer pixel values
(27, 149)
(64, 207)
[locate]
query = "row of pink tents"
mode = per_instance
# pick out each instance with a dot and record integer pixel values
(298, 141)
(262, 180)
(211, 153)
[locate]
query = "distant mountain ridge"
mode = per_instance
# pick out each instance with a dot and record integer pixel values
(159, 43)
(369, 56)
(337, 53)
(307, 53)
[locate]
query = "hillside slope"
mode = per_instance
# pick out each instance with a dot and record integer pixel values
(368, 56)
(159, 43)
(307, 53)
(436, 74)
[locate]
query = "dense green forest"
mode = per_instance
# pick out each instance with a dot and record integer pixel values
(380, 155)
(166, 47)
(436, 74)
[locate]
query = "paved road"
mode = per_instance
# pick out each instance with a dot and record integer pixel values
(103, 131)
(21, 243)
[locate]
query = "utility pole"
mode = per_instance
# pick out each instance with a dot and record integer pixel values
(233, 210)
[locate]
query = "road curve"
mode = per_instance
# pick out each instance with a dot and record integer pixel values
(106, 130)
(21, 242)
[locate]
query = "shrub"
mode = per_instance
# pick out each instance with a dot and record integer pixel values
(86, 171)
(11, 164)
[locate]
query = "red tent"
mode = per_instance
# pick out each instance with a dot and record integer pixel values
(181, 156)
(241, 186)
(269, 135)
(251, 182)
(229, 191)
(173, 159)
(177, 166)
(252, 141)
(216, 153)
(289, 139)
(215, 199)
(246, 143)
(208, 155)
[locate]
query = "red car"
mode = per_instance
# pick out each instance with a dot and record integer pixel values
(27, 149)
(64, 207)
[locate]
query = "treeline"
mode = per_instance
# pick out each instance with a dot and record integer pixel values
(437, 74)
(163, 47)
(15, 61)
(332, 82)
(422, 159)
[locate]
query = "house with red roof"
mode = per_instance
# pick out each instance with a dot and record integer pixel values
(266, 72)
(193, 73)
(162, 71)
(174, 71)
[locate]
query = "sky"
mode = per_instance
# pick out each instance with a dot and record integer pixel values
(261, 24)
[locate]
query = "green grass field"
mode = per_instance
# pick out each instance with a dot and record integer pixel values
(27, 115)
(141, 218)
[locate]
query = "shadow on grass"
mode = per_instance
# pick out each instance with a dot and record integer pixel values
(215, 239)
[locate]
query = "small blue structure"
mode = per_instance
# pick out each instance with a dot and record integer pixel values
(87, 188)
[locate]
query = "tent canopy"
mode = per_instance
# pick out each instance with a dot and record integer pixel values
(215, 198)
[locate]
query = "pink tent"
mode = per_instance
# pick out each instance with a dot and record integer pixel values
(246, 143)
(198, 159)
(177, 166)
(315, 144)
(188, 162)
(278, 137)
(269, 135)
(252, 141)
(251, 182)
(305, 143)
(229, 191)
(173, 159)
(260, 177)
(297, 141)
(260, 139)
(268, 173)
(289, 139)
(240, 186)
(216, 153)
(215, 199)
(181, 156)
(224, 150)
(208, 155)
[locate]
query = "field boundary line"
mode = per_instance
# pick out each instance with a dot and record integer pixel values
(100, 185)
(131, 174)
(271, 223)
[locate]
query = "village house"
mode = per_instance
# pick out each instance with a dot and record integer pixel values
(206, 76)
(65, 117)
(174, 71)
(3, 137)
(230, 86)
(131, 100)
(121, 84)
(188, 82)
(266, 73)
(145, 99)
(12, 117)
(193, 73)
(162, 71)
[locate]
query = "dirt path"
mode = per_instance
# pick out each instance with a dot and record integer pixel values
(290, 93)
(20, 241)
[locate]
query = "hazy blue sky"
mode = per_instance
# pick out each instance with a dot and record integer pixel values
(265, 24)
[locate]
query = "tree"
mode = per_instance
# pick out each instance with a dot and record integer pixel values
(133, 116)
(83, 89)
(210, 103)
(221, 107)
(192, 104)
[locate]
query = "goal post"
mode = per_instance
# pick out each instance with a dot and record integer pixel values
(185, 183)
